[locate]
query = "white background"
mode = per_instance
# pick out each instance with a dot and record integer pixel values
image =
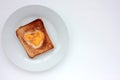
(94, 28)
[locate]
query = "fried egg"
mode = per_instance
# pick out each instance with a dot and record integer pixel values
(35, 38)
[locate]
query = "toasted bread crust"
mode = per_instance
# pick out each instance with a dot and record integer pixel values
(32, 26)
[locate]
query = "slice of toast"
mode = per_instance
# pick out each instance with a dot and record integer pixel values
(34, 38)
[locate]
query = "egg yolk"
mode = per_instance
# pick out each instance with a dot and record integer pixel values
(35, 37)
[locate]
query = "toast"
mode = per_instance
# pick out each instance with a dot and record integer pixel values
(34, 38)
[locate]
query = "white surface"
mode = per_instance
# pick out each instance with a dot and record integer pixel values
(95, 34)
(55, 27)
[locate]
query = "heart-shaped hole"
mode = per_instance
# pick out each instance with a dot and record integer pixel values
(35, 38)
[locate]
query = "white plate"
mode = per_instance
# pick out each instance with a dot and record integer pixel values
(55, 28)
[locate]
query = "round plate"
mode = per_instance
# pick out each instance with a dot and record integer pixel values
(56, 30)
